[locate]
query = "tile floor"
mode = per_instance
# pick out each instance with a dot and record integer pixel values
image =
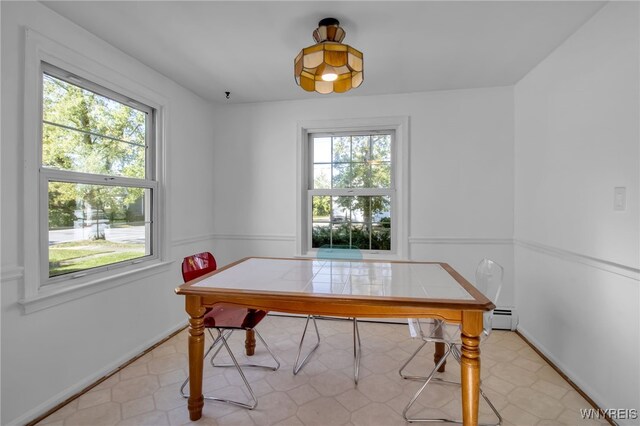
(524, 389)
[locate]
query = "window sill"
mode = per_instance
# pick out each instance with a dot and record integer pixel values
(48, 297)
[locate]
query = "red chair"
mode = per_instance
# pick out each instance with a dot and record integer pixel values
(225, 319)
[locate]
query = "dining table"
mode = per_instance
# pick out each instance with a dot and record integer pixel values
(341, 288)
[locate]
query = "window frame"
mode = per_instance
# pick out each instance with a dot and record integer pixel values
(40, 292)
(336, 192)
(48, 175)
(399, 127)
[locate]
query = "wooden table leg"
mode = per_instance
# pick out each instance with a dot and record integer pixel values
(470, 366)
(439, 352)
(250, 342)
(196, 354)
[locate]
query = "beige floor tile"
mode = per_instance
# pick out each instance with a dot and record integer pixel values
(536, 403)
(323, 411)
(353, 399)
(134, 370)
(291, 421)
(550, 389)
(332, 383)
(518, 416)
(137, 406)
(239, 418)
(105, 414)
(379, 388)
(134, 388)
(273, 408)
(376, 414)
(97, 397)
(303, 394)
(520, 384)
(153, 418)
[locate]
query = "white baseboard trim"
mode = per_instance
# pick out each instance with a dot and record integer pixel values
(584, 387)
(78, 387)
(460, 240)
(599, 263)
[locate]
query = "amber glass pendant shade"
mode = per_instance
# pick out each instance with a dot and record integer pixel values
(329, 66)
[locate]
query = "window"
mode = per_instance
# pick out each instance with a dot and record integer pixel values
(351, 190)
(352, 186)
(97, 180)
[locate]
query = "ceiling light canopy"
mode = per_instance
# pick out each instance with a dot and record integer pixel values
(329, 66)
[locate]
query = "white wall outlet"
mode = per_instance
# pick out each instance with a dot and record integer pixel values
(620, 198)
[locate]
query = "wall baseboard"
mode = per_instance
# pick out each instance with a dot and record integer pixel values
(48, 407)
(561, 369)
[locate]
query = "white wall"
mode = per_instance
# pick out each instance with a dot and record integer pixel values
(461, 174)
(577, 260)
(50, 354)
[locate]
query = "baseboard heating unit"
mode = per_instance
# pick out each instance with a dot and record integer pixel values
(505, 319)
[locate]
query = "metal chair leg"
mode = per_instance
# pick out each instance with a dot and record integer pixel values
(274, 368)
(405, 376)
(357, 351)
(223, 338)
(452, 349)
(297, 367)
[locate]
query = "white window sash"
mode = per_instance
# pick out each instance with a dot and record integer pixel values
(39, 51)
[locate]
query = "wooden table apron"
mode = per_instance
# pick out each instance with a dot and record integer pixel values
(467, 313)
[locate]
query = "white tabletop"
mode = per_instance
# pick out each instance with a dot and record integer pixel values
(339, 277)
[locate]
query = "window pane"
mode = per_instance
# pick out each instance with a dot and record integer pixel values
(380, 175)
(87, 132)
(380, 209)
(321, 208)
(341, 176)
(340, 234)
(360, 176)
(381, 236)
(322, 176)
(360, 148)
(321, 235)
(342, 209)
(96, 225)
(361, 209)
(322, 150)
(342, 149)
(381, 147)
(70, 150)
(360, 234)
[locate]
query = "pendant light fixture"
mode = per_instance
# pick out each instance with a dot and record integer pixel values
(329, 66)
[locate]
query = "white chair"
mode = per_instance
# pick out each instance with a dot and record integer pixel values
(489, 277)
(348, 253)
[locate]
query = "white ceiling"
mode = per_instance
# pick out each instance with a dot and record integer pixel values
(248, 48)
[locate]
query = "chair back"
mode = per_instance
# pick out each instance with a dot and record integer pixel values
(338, 252)
(197, 265)
(489, 277)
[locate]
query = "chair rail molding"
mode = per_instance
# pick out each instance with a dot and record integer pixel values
(263, 237)
(192, 240)
(460, 240)
(11, 273)
(595, 262)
